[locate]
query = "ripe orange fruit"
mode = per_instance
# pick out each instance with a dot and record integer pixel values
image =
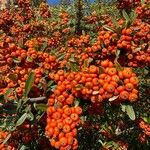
(66, 128)
(74, 116)
(124, 95)
(129, 86)
(57, 145)
(110, 88)
(133, 97)
(127, 72)
(78, 110)
(134, 80)
(63, 141)
(112, 71)
(105, 63)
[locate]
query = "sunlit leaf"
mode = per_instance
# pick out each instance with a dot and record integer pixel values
(113, 98)
(22, 119)
(130, 112)
(126, 16)
(118, 66)
(74, 67)
(13, 76)
(41, 107)
(29, 84)
(16, 60)
(7, 138)
(108, 28)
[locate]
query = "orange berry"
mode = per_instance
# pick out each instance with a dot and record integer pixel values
(63, 141)
(105, 63)
(124, 95)
(129, 86)
(66, 128)
(93, 69)
(134, 80)
(127, 72)
(133, 97)
(57, 145)
(78, 110)
(112, 71)
(74, 116)
(110, 88)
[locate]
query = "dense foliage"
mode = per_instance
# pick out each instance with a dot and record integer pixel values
(75, 76)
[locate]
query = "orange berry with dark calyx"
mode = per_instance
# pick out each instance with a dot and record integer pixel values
(115, 78)
(105, 63)
(124, 95)
(112, 71)
(68, 120)
(78, 110)
(129, 86)
(66, 128)
(57, 145)
(74, 116)
(110, 88)
(127, 73)
(93, 69)
(61, 134)
(60, 125)
(133, 97)
(63, 141)
(53, 142)
(134, 80)
(70, 140)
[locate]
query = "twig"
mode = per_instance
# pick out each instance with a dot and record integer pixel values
(38, 99)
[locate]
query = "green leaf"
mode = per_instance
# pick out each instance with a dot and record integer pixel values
(7, 138)
(118, 66)
(41, 107)
(126, 16)
(130, 112)
(22, 119)
(16, 60)
(117, 54)
(29, 59)
(123, 108)
(74, 67)
(20, 42)
(44, 46)
(29, 84)
(9, 91)
(108, 28)
(115, 23)
(23, 147)
(50, 83)
(13, 77)
(30, 116)
(142, 1)
(133, 16)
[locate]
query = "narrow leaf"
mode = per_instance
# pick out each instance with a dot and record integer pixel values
(22, 119)
(130, 112)
(125, 15)
(29, 84)
(16, 60)
(113, 98)
(7, 138)
(42, 107)
(13, 77)
(108, 28)
(118, 66)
